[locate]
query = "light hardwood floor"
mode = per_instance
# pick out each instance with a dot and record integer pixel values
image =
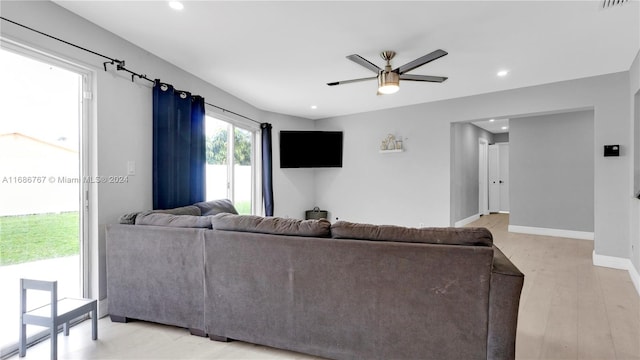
(569, 309)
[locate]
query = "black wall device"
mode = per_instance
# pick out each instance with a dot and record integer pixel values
(612, 150)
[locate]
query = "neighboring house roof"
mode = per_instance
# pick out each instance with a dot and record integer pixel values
(16, 137)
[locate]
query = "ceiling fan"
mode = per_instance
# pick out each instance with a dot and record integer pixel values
(389, 80)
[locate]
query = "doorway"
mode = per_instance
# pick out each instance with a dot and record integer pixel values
(42, 213)
(483, 176)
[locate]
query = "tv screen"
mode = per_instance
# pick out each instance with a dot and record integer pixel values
(310, 149)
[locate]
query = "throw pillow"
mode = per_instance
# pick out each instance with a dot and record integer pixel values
(128, 219)
(216, 207)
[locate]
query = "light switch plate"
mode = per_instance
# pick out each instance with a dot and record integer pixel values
(131, 167)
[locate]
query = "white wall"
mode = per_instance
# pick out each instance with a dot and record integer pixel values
(122, 123)
(408, 188)
(412, 188)
(293, 188)
(551, 171)
(634, 89)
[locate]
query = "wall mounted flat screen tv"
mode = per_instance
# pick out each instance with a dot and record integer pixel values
(310, 149)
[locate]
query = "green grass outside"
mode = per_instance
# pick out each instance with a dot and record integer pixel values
(25, 238)
(243, 207)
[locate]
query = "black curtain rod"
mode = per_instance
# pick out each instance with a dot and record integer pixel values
(120, 64)
(231, 112)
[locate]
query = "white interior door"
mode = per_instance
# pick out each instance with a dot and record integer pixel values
(494, 178)
(499, 177)
(483, 177)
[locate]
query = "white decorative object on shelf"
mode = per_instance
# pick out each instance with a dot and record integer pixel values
(391, 144)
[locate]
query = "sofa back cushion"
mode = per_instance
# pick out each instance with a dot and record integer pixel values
(171, 220)
(271, 225)
(449, 236)
(130, 218)
(183, 210)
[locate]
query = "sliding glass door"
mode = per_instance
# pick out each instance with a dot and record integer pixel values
(41, 211)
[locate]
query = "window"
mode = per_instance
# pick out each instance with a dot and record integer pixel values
(231, 170)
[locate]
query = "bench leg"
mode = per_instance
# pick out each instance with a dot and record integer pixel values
(94, 322)
(65, 327)
(54, 342)
(22, 346)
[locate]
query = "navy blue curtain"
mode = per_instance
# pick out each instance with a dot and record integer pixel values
(178, 147)
(267, 169)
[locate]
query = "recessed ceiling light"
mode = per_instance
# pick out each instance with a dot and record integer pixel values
(492, 120)
(503, 73)
(313, 107)
(505, 127)
(176, 5)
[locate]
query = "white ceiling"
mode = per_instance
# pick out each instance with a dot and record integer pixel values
(495, 126)
(279, 55)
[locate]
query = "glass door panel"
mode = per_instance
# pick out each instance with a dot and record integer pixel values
(40, 187)
(243, 170)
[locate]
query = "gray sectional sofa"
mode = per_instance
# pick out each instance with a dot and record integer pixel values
(341, 291)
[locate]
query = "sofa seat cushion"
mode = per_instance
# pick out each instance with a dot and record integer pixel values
(171, 220)
(448, 236)
(216, 207)
(271, 225)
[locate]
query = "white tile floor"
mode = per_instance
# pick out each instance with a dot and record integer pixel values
(569, 309)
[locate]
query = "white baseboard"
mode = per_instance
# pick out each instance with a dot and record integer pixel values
(635, 277)
(618, 263)
(466, 221)
(103, 308)
(582, 235)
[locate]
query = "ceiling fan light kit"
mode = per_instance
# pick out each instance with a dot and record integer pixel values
(388, 79)
(388, 82)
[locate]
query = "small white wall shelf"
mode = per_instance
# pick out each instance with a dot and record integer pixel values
(391, 145)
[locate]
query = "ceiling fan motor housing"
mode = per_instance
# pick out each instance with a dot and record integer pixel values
(388, 81)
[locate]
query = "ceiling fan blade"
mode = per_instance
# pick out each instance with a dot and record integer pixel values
(420, 61)
(350, 81)
(364, 62)
(428, 78)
